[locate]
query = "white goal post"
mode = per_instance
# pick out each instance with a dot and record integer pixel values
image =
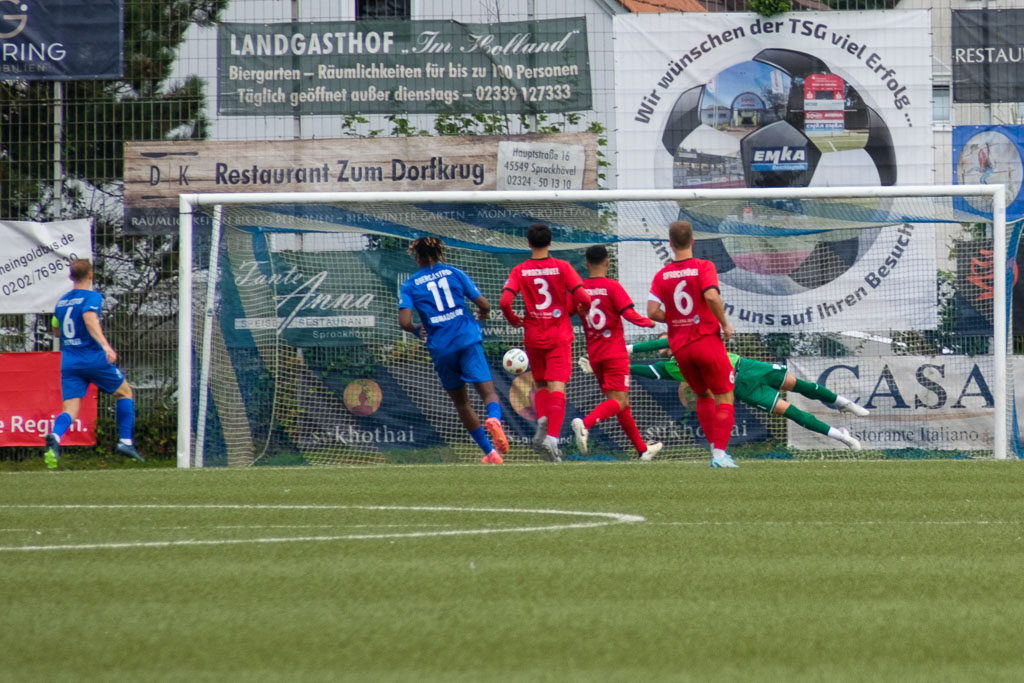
(190, 404)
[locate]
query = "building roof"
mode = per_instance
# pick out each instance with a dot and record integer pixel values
(741, 5)
(647, 6)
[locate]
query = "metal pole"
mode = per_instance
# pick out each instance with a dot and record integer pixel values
(1000, 332)
(297, 118)
(488, 196)
(207, 346)
(184, 331)
(58, 138)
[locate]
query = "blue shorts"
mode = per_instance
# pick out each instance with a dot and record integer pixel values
(74, 382)
(466, 365)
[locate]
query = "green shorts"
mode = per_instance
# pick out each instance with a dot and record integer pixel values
(758, 383)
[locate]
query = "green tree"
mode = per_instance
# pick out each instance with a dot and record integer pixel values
(99, 116)
(137, 273)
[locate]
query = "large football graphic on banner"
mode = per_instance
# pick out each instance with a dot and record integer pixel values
(781, 119)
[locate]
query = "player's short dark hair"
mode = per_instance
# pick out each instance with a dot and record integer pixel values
(597, 254)
(81, 269)
(428, 249)
(680, 234)
(538, 235)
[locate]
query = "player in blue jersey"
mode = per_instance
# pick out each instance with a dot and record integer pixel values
(87, 358)
(438, 292)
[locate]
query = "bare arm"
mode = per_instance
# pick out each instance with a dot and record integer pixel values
(92, 323)
(405, 322)
(655, 312)
(483, 307)
(714, 300)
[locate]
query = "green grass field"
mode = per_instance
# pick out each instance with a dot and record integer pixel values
(778, 571)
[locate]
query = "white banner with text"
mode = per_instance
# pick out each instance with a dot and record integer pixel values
(921, 402)
(34, 267)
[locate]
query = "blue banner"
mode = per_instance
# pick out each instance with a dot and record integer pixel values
(61, 40)
(987, 155)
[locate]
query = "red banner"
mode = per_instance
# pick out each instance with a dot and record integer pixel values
(30, 400)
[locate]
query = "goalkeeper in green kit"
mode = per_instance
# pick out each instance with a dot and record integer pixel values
(758, 384)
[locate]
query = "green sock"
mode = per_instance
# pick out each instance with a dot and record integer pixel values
(806, 420)
(815, 391)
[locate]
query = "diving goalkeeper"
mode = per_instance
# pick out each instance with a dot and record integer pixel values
(758, 384)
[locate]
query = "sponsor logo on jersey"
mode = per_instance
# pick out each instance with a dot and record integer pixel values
(432, 276)
(450, 315)
(676, 274)
(557, 313)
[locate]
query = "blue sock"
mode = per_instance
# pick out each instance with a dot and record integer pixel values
(480, 436)
(125, 417)
(61, 424)
(494, 409)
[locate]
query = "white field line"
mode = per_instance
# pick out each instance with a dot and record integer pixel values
(246, 526)
(853, 522)
(599, 519)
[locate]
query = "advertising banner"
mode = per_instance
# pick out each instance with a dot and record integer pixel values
(157, 172)
(1018, 403)
(354, 400)
(984, 155)
(975, 289)
(61, 40)
(824, 104)
(336, 289)
(886, 265)
(408, 67)
(987, 55)
(34, 265)
(30, 400)
(933, 403)
(725, 100)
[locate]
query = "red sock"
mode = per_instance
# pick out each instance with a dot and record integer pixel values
(603, 411)
(725, 415)
(706, 417)
(629, 426)
(556, 412)
(540, 402)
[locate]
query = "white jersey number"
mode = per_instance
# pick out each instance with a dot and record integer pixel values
(544, 291)
(435, 288)
(596, 318)
(682, 298)
(68, 326)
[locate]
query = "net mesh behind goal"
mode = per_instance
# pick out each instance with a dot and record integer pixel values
(298, 357)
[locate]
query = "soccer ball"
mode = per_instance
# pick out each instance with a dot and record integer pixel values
(515, 362)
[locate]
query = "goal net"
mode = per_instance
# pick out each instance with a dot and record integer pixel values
(290, 350)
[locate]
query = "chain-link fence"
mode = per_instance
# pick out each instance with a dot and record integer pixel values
(62, 142)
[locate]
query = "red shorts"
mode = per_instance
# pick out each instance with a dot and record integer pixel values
(612, 374)
(550, 364)
(705, 365)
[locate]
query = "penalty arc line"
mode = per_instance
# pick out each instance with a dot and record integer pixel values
(606, 519)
